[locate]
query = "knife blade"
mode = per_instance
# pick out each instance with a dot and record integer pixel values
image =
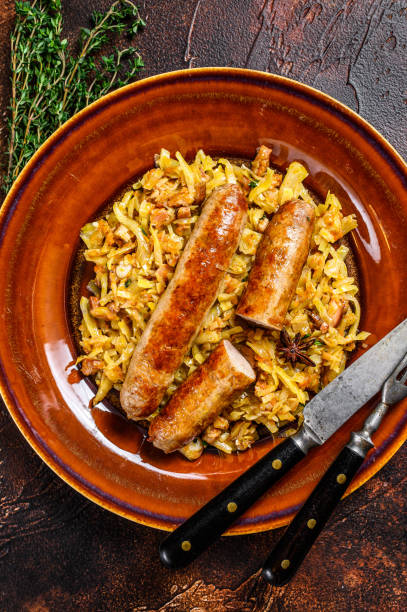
(360, 381)
(323, 415)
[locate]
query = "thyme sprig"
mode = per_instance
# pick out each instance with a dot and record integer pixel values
(48, 84)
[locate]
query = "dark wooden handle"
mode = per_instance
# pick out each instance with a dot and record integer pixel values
(299, 537)
(205, 526)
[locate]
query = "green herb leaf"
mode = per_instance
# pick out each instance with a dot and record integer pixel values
(253, 184)
(48, 84)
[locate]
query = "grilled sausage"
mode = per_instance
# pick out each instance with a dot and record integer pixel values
(201, 398)
(277, 268)
(182, 307)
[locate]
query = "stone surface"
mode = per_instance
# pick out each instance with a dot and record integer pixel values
(61, 552)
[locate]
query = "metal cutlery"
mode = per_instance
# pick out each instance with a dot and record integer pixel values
(323, 415)
(299, 537)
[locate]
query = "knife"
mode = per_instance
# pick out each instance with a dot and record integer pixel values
(323, 415)
(290, 551)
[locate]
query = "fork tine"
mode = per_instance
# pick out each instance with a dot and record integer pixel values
(401, 366)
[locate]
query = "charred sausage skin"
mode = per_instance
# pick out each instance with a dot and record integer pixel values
(201, 398)
(182, 307)
(277, 268)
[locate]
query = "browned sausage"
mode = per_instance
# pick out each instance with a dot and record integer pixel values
(182, 307)
(201, 398)
(277, 268)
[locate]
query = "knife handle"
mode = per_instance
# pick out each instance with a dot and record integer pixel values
(300, 535)
(205, 526)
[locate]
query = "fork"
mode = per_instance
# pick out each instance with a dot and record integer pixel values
(299, 537)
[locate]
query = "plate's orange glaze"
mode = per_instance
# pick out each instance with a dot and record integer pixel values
(227, 111)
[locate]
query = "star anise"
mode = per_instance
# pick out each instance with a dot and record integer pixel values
(295, 349)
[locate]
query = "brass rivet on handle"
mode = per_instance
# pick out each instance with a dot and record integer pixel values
(186, 545)
(232, 507)
(277, 464)
(311, 523)
(341, 478)
(285, 563)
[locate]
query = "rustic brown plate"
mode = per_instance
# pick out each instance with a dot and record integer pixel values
(224, 111)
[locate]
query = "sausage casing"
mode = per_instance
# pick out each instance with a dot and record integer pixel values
(277, 268)
(201, 398)
(181, 309)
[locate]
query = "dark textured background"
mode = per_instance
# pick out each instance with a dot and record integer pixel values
(61, 552)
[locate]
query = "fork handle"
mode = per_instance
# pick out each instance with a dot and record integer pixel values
(299, 537)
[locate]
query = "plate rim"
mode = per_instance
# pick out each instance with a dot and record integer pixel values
(39, 445)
